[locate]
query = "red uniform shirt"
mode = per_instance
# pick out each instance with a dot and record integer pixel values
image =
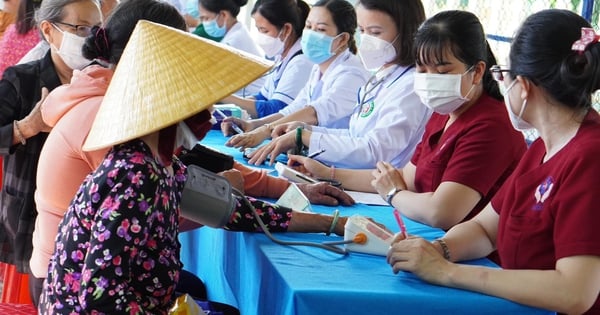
(549, 210)
(479, 150)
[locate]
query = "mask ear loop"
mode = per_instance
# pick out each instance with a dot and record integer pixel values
(339, 48)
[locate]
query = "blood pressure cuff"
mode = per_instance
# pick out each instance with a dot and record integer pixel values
(207, 158)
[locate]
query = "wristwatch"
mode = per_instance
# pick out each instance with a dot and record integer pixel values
(390, 195)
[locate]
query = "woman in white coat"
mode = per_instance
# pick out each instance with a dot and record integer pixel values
(279, 24)
(330, 95)
(388, 119)
(219, 19)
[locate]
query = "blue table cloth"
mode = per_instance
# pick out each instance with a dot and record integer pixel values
(258, 276)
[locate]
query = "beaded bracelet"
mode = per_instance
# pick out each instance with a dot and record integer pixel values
(332, 173)
(19, 134)
(444, 246)
(336, 216)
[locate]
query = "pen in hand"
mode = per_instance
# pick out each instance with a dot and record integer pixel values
(235, 127)
(400, 223)
(315, 154)
(310, 156)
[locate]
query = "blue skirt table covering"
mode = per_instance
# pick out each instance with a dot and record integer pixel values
(250, 272)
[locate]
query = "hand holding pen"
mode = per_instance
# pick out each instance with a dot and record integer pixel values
(233, 125)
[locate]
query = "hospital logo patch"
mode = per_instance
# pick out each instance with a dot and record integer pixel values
(367, 109)
(542, 192)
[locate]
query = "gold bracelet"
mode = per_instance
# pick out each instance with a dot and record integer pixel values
(19, 134)
(444, 247)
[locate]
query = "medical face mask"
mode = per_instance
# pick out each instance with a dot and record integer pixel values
(70, 50)
(272, 46)
(516, 120)
(440, 92)
(213, 29)
(375, 52)
(317, 46)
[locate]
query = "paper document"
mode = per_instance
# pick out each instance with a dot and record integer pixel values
(367, 198)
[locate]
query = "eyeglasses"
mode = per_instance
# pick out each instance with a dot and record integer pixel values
(497, 72)
(80, 30)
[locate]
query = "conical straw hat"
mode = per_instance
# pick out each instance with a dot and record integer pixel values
(165, 76)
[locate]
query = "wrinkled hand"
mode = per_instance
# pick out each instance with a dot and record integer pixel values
(386, 177)
(228, 121)
(273, 149)
(235, 178)
(308, 166)
(282, 129)
(325, 194)
(248, 139)
(420, 257)
(34, 121)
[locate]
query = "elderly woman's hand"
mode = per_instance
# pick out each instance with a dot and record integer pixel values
(324, 193)
(33, 123)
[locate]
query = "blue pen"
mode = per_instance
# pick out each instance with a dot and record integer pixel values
(235, 127)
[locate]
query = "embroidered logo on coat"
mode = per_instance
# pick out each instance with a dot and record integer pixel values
(542, 192)
(367, 109)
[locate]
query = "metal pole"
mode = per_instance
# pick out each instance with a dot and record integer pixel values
(587, 9)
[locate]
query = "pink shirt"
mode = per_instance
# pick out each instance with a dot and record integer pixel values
(63, 165)
(13, 46)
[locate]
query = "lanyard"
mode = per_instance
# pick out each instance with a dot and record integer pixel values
(375, 84)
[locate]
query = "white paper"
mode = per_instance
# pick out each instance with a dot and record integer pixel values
(367, 198)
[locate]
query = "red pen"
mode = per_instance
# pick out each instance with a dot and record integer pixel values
(400, 223)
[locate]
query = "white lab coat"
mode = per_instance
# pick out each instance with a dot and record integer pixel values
(387, 127)
(288, 77)
(332, 95)
(239, 37)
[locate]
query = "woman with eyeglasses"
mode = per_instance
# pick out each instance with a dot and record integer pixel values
(469, 147)
(388, 118)
(543, 220)
(328, 97)
(279, 24)
(63, 24)
(219, 22)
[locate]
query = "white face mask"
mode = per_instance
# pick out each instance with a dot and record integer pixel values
(440, 92)
(516, 120)
(185, 137)
(375, 52)
(70, 50)
(272, 46)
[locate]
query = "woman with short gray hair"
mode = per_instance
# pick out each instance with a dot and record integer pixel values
(64, 25)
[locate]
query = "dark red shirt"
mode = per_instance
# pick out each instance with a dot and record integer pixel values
(549, 210)
(479, 150)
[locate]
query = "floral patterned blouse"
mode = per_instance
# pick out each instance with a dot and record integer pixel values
(13, 46)
(116, 250)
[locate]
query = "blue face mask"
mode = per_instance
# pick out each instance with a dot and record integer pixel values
(213, 29)
(317, 46)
